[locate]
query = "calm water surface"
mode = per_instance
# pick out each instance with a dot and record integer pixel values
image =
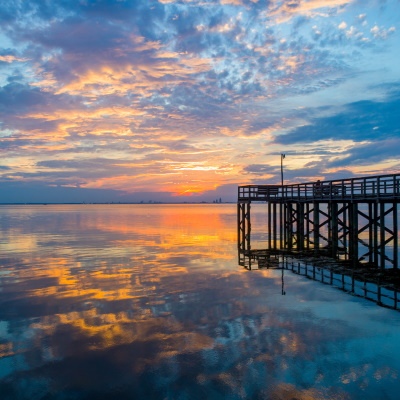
(148, 302)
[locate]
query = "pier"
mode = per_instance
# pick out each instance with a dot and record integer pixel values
(352, 220)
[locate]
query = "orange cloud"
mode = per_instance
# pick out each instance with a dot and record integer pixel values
(10, 59)
(142, 78)
(283, 11)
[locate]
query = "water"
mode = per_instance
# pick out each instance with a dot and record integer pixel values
(148, 302)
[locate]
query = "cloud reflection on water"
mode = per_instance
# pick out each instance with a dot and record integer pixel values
(148, 302)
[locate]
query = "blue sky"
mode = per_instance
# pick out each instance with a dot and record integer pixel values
(184, 100)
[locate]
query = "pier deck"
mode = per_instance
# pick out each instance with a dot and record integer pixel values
(371, 188)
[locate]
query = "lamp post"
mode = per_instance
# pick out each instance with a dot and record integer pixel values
(282, 157)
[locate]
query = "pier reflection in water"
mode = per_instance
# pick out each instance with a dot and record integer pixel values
(327, 271)
(136, 302)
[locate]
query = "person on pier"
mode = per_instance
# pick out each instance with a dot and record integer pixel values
(318, 188)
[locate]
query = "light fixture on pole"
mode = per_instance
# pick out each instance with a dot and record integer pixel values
(282, 157)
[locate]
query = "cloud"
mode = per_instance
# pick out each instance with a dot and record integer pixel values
(41, 192)
(359, 121)
(309, 173)
(188, 95)
(370, 153)
(259, 169)
(11, 58)
(382, 33)
(283, 11)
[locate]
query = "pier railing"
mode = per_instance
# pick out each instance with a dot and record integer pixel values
(365, 188)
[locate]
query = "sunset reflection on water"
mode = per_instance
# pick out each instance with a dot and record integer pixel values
(148, 301)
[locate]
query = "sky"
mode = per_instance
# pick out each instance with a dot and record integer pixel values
(164, 100)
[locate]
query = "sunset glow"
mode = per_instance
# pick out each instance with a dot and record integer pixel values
(173, 100)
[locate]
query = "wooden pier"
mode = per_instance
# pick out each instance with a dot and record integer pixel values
(355, 219)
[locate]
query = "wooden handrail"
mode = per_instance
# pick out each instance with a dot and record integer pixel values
(382, 186)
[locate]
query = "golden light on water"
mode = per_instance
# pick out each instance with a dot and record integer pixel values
(142, 288)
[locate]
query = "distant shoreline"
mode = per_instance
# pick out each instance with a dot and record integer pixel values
(113, 203)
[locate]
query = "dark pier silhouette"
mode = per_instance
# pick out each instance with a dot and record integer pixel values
(372, 287)
(353, 221)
